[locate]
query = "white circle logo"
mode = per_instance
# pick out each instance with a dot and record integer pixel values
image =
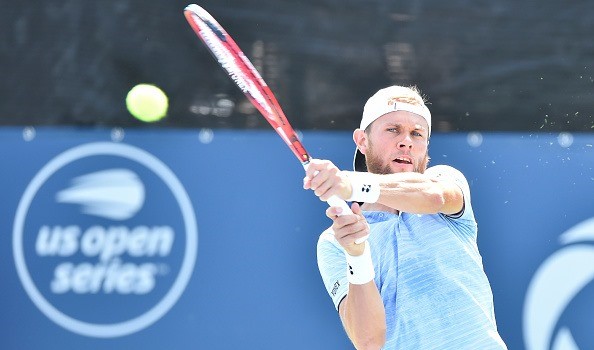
(554, 286)
(96, 229)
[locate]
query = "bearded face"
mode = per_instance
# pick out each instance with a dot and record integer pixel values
(377, 163)
(396, 142)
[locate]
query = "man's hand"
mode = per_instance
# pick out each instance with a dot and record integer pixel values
(326, 180)
(348, 228)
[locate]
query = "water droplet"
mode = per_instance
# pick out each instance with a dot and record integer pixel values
(565, 139)
(29, 133)
(117, 134)
(205, 135)
(474, 139)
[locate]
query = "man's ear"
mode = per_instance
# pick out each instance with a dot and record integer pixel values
(360, 138)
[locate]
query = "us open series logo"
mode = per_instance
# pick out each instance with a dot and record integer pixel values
(105, 239)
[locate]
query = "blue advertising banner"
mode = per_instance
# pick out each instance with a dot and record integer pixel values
(166, 238)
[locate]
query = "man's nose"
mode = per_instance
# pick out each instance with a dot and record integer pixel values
(405, 142)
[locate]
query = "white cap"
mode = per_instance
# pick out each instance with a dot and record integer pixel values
(381, 103)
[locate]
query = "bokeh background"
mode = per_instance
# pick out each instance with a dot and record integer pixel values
(482, 64)
(510, 85)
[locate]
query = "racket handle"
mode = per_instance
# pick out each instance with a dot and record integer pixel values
(335, 201)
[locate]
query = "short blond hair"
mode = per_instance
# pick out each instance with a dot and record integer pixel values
(409, 94)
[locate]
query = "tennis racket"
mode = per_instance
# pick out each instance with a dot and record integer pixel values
(246, 77)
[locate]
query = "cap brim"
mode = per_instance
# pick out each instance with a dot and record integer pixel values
(359, 163)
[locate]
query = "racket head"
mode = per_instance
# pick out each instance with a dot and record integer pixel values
(246, 77)
(239, 68)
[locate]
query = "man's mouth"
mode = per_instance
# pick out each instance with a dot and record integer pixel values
(403, 160)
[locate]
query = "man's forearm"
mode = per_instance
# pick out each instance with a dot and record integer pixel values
(363, 316)
(419, 194)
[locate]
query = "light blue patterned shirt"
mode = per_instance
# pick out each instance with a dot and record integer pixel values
(430, 276)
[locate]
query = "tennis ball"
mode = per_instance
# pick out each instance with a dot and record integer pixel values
(147, 103)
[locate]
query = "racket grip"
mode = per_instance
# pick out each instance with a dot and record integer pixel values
(335, 201)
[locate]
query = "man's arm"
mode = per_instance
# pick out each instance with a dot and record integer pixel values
(409, 192)
(362, 310)
(420, 193)
(363, 316)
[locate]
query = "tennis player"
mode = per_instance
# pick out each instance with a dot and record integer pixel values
(418, 281)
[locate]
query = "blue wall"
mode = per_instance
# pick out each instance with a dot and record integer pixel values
(216, 249)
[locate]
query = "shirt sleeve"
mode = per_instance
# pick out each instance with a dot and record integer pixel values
(332, 266)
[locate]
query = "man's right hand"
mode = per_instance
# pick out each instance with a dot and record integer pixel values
(326, 180)
(348, 228)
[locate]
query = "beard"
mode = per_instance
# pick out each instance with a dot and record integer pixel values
(377, 166)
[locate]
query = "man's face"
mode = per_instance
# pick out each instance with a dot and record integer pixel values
(397, 142)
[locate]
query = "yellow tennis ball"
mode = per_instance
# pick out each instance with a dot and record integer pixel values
(147, 103)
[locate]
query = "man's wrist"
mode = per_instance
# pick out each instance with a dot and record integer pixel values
(364, 187)
(360, 268)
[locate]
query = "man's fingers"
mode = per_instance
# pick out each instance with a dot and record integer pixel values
(349, 235)
(321, 190)
(348, 225)
(356, 209)
(316, 165)
(348, 228)
(333, 212)
(318, 171)
(306, 183)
